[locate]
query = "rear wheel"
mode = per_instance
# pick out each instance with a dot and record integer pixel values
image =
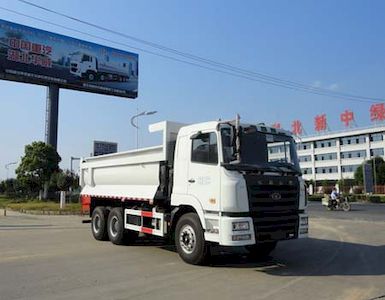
(189, 240)
(261, 250)
(117, 234)
(98, 223)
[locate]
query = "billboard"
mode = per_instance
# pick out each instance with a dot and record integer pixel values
(41, 57)
(101, 148)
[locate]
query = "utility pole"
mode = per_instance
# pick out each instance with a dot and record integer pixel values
(51, 122)
(71, 163)
(52, 115)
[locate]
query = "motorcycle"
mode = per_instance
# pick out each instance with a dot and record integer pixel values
(339, 203)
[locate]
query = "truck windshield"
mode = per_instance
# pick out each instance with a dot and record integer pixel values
(260, 149)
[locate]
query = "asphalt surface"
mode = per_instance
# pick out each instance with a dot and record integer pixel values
(55, 257)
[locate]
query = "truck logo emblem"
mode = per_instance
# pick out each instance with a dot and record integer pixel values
(276, 196)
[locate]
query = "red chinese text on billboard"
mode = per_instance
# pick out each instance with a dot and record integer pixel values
(29, 53)
(320, 123)
(377, 112)
(296, 127)
(276, 125)
(347, 117)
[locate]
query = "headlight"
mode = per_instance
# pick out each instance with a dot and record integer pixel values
(241, 226)
(304, 221)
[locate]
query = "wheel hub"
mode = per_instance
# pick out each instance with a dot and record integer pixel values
(114, 226)
(187, 239)
(96, 223)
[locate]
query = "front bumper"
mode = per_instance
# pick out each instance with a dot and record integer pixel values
(230, 237)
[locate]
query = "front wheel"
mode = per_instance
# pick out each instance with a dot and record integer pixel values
(261, 250)
(91, 76)
(345, 206)
(189, 240)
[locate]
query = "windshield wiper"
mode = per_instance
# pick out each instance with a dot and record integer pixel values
(251, 167)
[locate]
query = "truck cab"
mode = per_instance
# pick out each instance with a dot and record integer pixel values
(83, 64)
(259, 196)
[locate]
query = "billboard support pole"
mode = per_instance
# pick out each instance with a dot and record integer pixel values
(51, 122)
(52, 115)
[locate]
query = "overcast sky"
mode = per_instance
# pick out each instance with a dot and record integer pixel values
(338, 45)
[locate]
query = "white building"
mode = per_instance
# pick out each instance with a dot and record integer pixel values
(336, 155)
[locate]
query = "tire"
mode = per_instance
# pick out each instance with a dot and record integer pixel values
(91, 76)
(261, 250)
(189, 240)
(98, 223)
(115, 226)
(102, 77)
(345, 206)
(117, 234)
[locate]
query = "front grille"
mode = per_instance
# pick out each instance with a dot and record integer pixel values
(273, 203)
(275, 228)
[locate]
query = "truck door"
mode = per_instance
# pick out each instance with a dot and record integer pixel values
(203, 170)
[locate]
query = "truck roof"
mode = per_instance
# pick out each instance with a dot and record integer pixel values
(212, 125)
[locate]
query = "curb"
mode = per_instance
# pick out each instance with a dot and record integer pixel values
(47, 212)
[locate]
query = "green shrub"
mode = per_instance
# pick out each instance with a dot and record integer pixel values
(376, 198)
(315, 197)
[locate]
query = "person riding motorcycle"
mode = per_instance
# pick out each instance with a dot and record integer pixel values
(334, 197)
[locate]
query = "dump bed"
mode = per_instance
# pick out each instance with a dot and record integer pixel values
(129, 175)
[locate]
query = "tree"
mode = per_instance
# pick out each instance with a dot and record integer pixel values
(63, 181)
(9, 187)
(378, 165)
(37, 165)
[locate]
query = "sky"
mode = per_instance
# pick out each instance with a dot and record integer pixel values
(337, 45)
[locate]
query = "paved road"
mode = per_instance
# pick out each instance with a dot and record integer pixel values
(55, 257)
(359, 211)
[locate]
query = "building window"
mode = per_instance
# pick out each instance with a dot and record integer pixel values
(353, 154)
(353, 140)
(376, 137)
(325, 144)
(349, 168)
(326, 170)
(326, 156)
(304, 158)
(306, 171)
(303, 146)
(377, 152)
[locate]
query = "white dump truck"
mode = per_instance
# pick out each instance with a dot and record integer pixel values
(91, 68)
(217, 182)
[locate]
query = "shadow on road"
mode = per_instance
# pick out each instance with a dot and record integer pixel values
(307, 257)
(313, 257)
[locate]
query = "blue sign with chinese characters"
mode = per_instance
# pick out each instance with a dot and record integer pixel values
(36, 56)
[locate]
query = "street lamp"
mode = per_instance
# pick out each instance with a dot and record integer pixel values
(9, 164)
(71, 163)
(143, 113)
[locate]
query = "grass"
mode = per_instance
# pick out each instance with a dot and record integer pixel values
(36, 205)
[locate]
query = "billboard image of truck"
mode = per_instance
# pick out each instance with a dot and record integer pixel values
(41, 57)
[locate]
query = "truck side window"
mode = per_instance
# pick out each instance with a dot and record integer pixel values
(205, 148)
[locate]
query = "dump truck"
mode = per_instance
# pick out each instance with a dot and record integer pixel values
(219, 182)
